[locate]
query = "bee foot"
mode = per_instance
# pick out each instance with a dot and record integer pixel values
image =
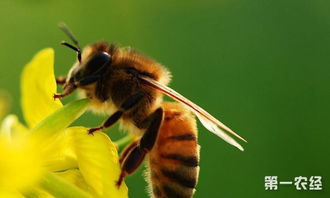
(118, 183)
(92, 130)
(121, 178)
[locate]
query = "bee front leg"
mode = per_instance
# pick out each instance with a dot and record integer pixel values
(128, 104)
(139, 151)
(68, 87)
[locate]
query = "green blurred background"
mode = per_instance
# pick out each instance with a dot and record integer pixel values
(261, 66)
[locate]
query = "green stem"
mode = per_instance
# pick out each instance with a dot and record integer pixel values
(62, 118)
(58, 187)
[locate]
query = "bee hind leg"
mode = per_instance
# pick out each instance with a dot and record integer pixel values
(127, 150)
(137, 154)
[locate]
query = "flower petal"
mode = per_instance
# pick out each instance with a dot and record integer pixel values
(74, 176)
(12, 128)
(9, 194)
(20, 164)
(58, 154)
(98, 162)
(49, 133)
(38, 86)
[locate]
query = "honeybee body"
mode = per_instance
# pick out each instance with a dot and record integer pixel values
(120, 81)
(174, 159)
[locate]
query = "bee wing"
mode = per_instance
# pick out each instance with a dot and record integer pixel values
(209, 122)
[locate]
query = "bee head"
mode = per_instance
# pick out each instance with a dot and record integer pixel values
(89, 68)
(91, 64)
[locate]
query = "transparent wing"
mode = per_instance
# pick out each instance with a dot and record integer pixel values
(208, 121)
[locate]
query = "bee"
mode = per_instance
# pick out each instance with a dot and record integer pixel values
(129, 87)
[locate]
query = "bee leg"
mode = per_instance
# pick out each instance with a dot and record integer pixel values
(60, 80)
(149, 137)
(139, 151)
(108, 123)
(68, 89)
(127, 150)
(128, 104)
(131, 163)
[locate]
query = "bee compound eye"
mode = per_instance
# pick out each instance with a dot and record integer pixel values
(98, 62)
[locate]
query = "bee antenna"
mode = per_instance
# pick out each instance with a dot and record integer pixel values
(68, 32)
(73, 48)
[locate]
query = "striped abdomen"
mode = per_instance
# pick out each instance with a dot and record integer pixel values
(174, 159)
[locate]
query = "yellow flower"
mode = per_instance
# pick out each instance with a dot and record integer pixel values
(48, 159)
